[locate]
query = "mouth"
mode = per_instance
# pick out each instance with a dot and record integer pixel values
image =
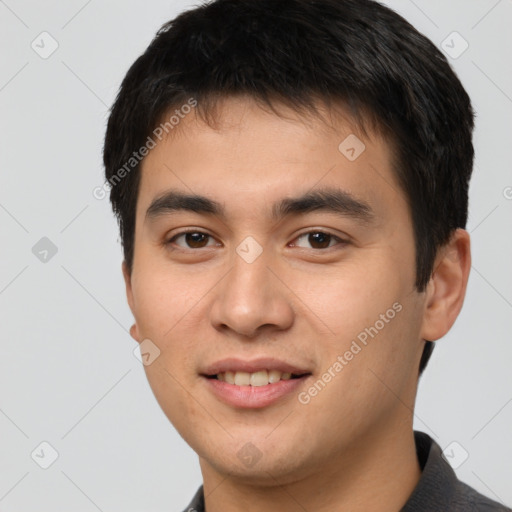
(256, 383)
(256, 390)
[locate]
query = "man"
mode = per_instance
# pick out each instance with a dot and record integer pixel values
(291, 182)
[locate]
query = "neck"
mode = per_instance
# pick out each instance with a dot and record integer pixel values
(378, 472)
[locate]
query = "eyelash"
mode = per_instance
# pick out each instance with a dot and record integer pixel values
(314, 231)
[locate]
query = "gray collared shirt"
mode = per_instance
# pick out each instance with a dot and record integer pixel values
(439, 489)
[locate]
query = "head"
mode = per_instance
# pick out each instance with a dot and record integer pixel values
(245, 118)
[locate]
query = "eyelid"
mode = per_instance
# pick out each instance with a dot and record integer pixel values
(325, 232)
(169, 240)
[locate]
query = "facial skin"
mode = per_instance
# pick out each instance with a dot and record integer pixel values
(351, 447)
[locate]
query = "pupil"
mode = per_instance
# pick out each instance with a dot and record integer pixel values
(321, 239)
(195, 239)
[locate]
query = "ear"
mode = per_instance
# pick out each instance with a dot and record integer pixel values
(447, 286)
(129, 296)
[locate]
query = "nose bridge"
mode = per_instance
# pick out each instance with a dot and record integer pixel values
(251, 296)
(250, 279)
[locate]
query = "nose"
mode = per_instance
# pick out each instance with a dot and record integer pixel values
(252, 298)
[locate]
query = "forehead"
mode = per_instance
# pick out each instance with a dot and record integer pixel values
(252, 157)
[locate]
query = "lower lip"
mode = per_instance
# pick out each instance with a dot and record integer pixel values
(253, 397)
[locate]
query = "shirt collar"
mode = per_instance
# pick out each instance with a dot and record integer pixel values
(438, 482)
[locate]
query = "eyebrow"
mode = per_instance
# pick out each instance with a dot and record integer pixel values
(330, 200)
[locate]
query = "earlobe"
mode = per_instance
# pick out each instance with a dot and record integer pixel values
(134, 333)
(447, 287)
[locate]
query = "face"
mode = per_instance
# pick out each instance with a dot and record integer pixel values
(298, 256)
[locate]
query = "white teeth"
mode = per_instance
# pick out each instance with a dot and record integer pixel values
(274, 376)
(242, 378)
(259, 378)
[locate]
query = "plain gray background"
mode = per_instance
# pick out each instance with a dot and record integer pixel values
(68, 375)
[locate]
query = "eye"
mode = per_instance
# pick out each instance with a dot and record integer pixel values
(317, 240)
(192, 240)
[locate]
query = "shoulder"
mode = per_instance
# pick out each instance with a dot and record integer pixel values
(467, 499)
(439, 488)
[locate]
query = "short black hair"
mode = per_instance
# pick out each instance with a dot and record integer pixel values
(356, 53)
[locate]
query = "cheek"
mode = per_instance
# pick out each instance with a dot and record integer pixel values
(183, 411)
(365, 312)
(164, 311)
(369, 368)
(168, 312)
(162, 299)
(351, 297)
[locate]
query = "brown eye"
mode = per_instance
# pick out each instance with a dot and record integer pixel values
(192, 240)
(196, 240)
(317, 240)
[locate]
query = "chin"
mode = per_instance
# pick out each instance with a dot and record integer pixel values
(262, 463)
(264, 473)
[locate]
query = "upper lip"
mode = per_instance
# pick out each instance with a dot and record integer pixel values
(233, 364)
